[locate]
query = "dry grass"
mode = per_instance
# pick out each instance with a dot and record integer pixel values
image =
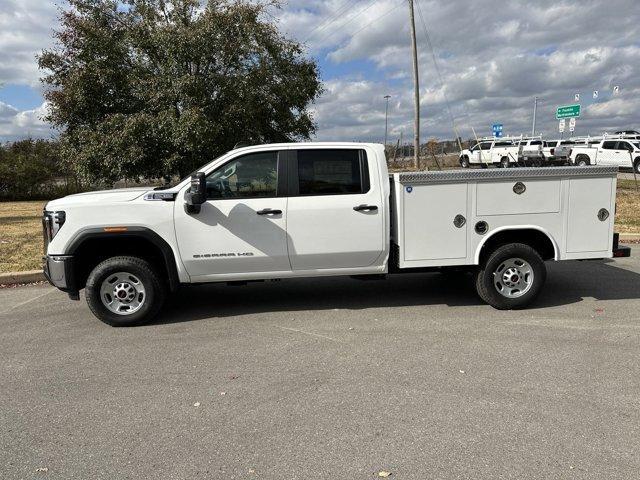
(21, 230)
(628, 207)
(20, 236)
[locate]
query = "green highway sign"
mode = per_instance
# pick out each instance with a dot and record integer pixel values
(568, 111)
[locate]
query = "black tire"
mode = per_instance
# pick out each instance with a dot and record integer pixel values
(636, 166)
(141, 270)
(582, 160)
(504, 162)
(464, 162)
(486, 279)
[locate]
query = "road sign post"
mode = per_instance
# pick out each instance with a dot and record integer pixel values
(572, 124)
(561, 125)
(568, 111)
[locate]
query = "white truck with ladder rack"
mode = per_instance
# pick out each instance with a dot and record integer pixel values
(321, 209)
(618, 150)
(497, 151)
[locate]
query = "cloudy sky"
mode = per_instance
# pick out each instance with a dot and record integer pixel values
(489, 60)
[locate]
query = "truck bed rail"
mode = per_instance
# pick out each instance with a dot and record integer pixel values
(418, 178)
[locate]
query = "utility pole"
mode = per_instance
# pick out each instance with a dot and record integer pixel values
(386, 119)
(535, 111)
(416, 90)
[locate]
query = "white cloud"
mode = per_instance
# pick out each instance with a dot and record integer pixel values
(494, 58)
(15, 124)
(26, 28)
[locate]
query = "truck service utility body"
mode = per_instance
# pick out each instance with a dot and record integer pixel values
(320, 209)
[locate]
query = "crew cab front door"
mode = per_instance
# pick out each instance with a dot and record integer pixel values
(241, 228)
(336, 210)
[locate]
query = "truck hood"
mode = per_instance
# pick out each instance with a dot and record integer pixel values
(107, 196)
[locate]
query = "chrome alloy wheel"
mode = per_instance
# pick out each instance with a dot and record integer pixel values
(122, 293)
(513, 278)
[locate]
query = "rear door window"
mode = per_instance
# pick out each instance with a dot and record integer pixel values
(332, 172)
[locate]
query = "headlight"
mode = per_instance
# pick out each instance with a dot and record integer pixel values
(51, 223)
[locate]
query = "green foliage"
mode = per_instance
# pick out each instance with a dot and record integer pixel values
(33, 169)
(156, 88)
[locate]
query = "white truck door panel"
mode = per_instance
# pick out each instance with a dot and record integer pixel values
(241, 228)
(585, 231)
(324, 231)
(429, 230)
(230, 237)
(499, 198)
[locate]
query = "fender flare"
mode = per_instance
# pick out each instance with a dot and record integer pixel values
(556, 249)
(168, 255)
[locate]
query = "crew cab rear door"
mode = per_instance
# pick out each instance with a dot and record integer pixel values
(608, 153)
(336, 209)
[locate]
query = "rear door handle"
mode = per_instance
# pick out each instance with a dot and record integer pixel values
(269, 211)
(365, 208)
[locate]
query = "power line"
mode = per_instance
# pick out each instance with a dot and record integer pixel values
(438, 71)
(322, 25)
(376, 19)
(347, 19)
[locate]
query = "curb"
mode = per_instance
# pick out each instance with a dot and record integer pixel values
(629, 237)
(14, 278)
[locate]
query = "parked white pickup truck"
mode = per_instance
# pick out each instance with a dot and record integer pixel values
(318, 209)
(610, 151)
(491, 151)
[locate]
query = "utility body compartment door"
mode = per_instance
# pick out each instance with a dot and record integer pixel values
(588, 234)
(336, 210)
(429, 228)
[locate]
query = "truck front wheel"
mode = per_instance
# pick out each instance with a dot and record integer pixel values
(512, 277)
(636, 165)
(124, 291)
(464, 162)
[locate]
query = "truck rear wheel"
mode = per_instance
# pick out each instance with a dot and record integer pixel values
(636, 165)
(512, 277)
(582, 161)
(124, 291)
(504, 162)
(464, 162)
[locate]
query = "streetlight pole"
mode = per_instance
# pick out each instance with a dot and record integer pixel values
(535, 111)
(386, 119)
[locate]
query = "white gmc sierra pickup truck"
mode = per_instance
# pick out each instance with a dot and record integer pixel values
(316, 209)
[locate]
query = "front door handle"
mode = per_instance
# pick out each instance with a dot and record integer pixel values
(269, 211)
(365, 208)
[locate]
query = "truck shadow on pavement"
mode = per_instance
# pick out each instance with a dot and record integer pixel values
(567, 283)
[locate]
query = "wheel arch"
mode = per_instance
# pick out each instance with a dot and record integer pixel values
(535, 236)
(90, 246)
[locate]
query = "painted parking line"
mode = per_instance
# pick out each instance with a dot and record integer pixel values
(28, 301)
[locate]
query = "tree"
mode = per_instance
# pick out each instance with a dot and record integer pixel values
(156, 88)
(31, 169)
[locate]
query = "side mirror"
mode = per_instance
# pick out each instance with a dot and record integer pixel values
(197, 194)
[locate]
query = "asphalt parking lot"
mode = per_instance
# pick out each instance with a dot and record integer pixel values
(329, 378)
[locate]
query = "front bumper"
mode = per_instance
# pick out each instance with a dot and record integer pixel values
(58, 269)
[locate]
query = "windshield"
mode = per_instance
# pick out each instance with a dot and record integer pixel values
(175, 182)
